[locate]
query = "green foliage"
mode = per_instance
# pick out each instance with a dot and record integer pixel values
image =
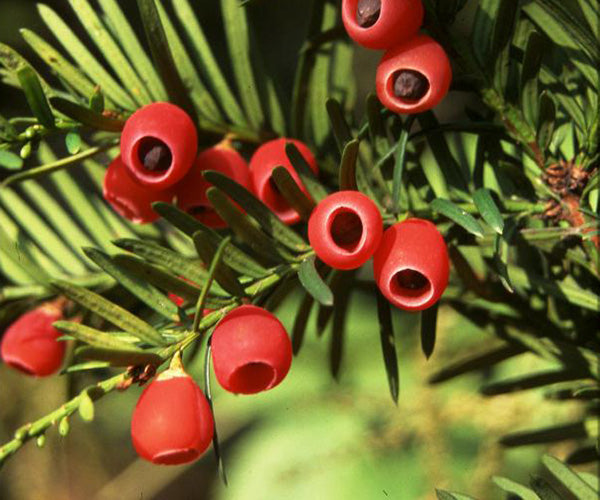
(388, 345)
(313, 283)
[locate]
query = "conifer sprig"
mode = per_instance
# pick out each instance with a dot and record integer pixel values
(526, 261)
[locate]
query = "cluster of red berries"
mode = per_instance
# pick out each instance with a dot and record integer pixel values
(173, 423)
(159, 162)
(251, 351)
(410, 259)
(414, 74)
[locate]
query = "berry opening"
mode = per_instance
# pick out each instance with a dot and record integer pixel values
(411, 283)
(154, 155)
(368, 12)
(176, 457)
(252, 378)
(410, 85)
(346, 230)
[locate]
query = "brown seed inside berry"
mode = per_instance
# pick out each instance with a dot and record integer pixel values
(346, 230)
(367, 12)
(411, 280)
(410, 84)
(154, 154)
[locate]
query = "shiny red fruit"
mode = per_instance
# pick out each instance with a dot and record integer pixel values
(172, 422)
(30, 344)
(129, 198)
(413, 77)
(159, 144)
(411, 265)
(191, 190)
(345, 229)
(251, 350)
(382, 24)
(268, 156)
(176, 299)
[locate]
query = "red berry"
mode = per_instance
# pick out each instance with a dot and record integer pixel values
(191, 191)
(172, 422)
(251, 350)
(159, 144)
(345, 229)
(270, 155)
(130, 199)
(30, 343)
(413, 77)
(411, 265)
(381, 24)
(176, 299)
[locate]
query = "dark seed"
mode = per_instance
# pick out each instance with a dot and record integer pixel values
(155, 155)
(198, 210)
(410, 84)
(346, 230)
(412, 280)
(367, 12)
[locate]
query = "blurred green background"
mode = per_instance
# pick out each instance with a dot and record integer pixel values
(311, 438)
